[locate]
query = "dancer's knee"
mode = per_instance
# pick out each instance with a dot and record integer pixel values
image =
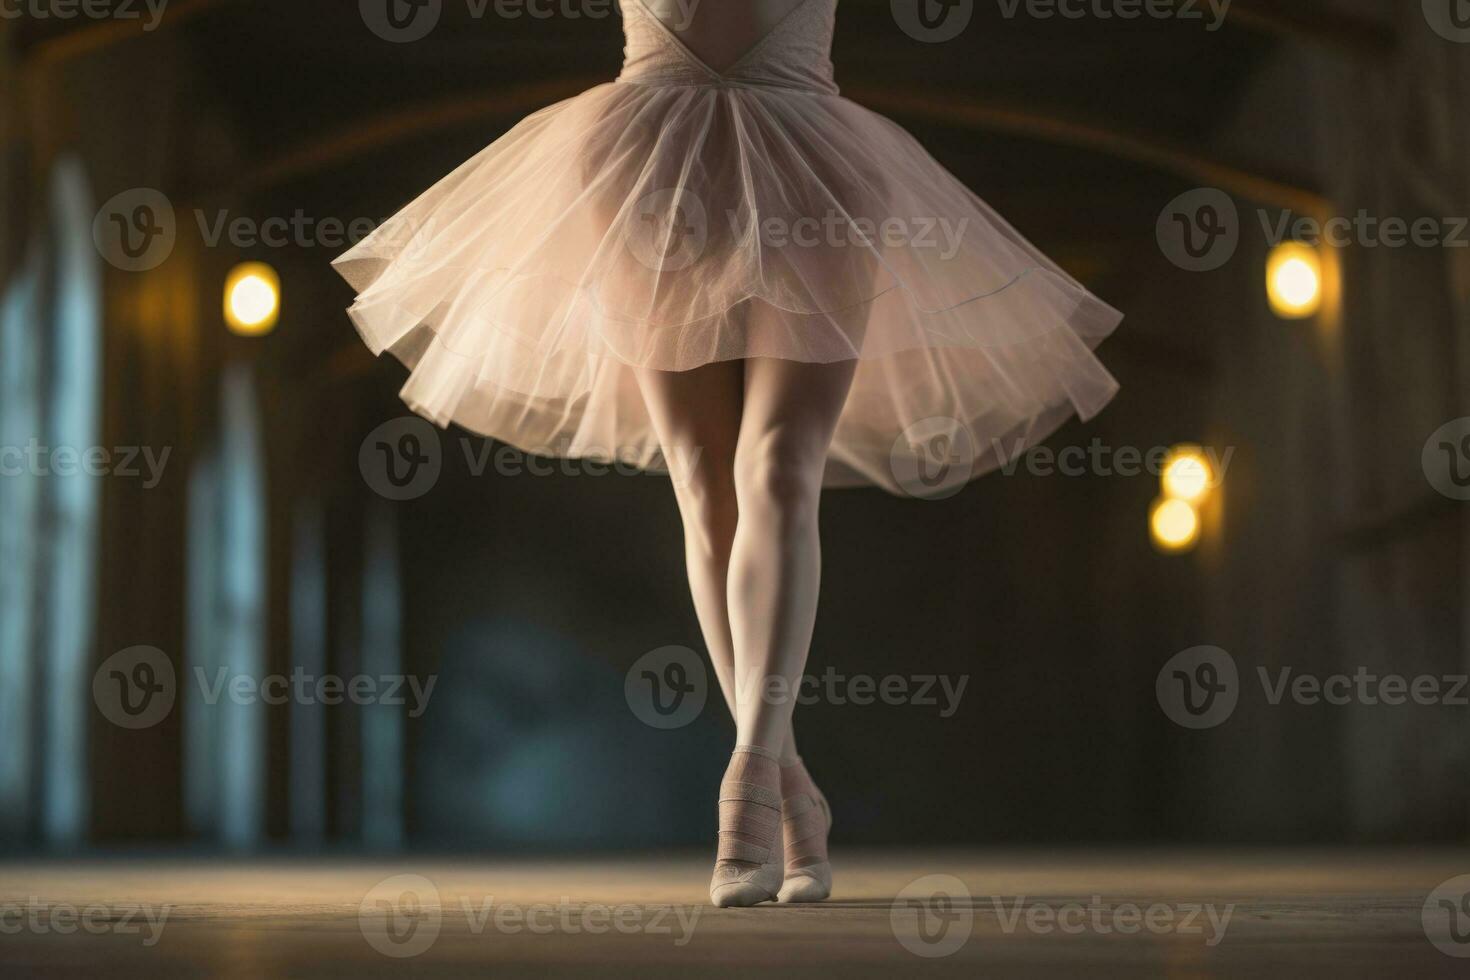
(779, 473)
(707, 501)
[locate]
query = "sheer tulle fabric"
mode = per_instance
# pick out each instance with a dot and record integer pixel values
(681, 216)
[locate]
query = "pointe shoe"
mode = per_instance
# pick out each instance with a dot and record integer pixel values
(748, 866)
(806, 822)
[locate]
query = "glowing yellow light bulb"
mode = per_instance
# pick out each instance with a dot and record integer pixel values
(1174, 525)
(1294, 281)
(1187, 474)
(252, 299)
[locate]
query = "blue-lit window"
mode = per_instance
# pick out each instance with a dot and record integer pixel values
(50, 359)
(225, 741)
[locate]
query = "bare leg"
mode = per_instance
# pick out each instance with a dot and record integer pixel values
(769, 811)
(696, 415)
(790, 414)
(747, 444)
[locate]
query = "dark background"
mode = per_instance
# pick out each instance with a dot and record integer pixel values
(1325, 549)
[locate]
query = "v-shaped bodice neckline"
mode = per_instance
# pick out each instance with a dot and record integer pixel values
(793, 53)
(734, 66)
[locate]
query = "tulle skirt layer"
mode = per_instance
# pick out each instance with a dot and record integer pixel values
(669, 227)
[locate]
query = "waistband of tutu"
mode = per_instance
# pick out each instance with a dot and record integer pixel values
(681, 80)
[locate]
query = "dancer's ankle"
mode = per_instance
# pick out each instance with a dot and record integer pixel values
(794, 777)
(759, 750)
(748, 865)
(760, 747)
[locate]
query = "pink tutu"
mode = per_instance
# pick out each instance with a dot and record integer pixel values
(681, 216)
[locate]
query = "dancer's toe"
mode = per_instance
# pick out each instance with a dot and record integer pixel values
(810, 884)
(750, 888)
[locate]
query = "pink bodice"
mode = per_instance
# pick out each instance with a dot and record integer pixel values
(794, 53)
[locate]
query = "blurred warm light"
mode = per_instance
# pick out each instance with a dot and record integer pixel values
(1174, 525)
(252, 299)
(1294, 280)
(1187, 474)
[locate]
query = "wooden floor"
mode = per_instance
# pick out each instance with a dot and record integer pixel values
(1082, 914)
